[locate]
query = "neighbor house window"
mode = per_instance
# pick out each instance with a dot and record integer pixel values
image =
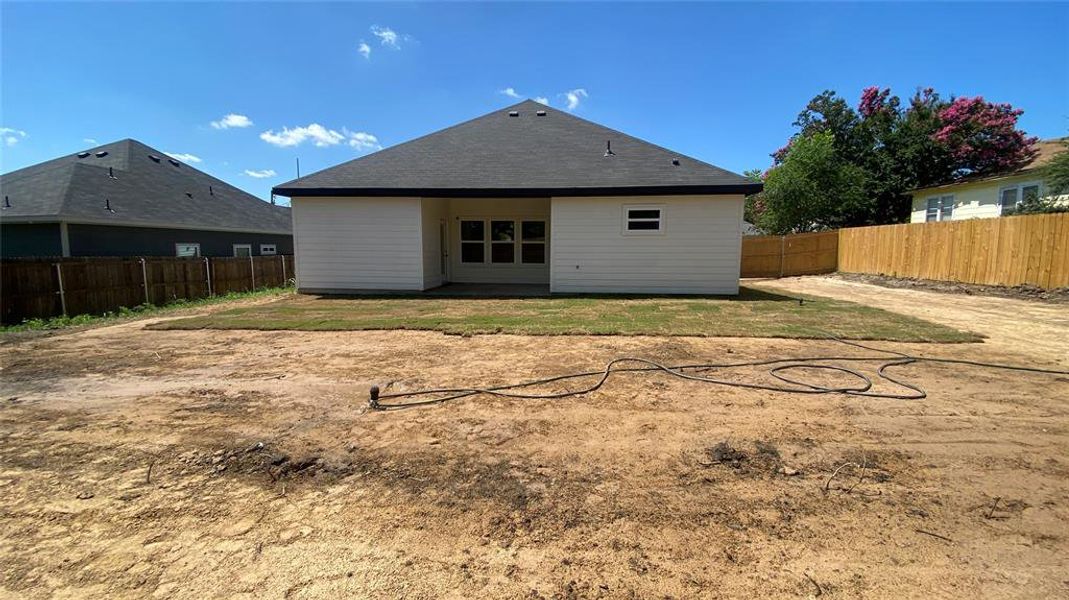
(643, 219)
(502, 241)
(268, 249)
(1012, 196)
(187, 249)
(940, 208)
(533, 242)
(242, 250)
(473, 241)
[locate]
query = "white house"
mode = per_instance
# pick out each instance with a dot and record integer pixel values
(522, 195)
(987, 196)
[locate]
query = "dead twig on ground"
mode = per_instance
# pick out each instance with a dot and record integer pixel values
(835, 473)
(148, 472)
(994, 505)
(935, 535)
(820, 590)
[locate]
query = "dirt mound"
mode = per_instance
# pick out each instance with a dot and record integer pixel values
(764, 459)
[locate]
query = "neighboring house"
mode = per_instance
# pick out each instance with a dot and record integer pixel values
(525, 194)
(984, 197)
(127, 199)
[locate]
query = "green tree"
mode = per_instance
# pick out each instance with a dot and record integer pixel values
(1056, 173)
(1056, 176)
(812, 188)
(898, 149)
(752, 209)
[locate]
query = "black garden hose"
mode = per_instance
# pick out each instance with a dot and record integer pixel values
(779, 366)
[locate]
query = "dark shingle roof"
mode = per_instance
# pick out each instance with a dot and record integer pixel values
(498, 154)
(143, 192)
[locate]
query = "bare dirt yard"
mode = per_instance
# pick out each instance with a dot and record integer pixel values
(244, 464)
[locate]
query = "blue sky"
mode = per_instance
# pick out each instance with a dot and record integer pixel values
(720, 82)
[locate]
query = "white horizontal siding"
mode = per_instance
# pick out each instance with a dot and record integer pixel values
(351, 243)
(698, 252)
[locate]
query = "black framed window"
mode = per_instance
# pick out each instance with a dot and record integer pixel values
(502, 241)
(533, 242)
(473, 241)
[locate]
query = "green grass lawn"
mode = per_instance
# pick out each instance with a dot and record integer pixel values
(754, 313)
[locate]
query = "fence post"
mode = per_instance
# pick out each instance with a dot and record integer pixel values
(252, 271)
(144, 279)
(208, 275)
(62, 295)
(283, 257)
(782, 252)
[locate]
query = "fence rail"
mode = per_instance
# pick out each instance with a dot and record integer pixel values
(43, 288)
(787, 255)
(1030, 249)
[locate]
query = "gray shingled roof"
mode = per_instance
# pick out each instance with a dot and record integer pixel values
(139, 190)
(525, 155)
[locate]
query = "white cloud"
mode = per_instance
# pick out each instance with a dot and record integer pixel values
(364, 50)
(510, 92)
(542, 100)
(232, 120)
(362, 141)
(186, 158)
(90, 141)
(261, 174)
(387, 36)
(12, 136)
(574, 97)
(320, 136)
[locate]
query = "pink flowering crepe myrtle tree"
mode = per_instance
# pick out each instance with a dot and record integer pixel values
(982, 137)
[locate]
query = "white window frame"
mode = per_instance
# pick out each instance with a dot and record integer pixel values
(268, 249)
(1018, 193)
(941, 213)
(486, 236)
(543, 241)
(236, 246)
(660, 220)
(195, 245)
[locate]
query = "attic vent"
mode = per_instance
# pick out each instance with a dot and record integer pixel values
(83, 154)
(107, 205)
(111, 173)
(173, 162)
(540, 113)
(675, 161)
(211, 192)
(154, 157)
(608, 148)
(514, 113)
(102, 154)
(7, 202)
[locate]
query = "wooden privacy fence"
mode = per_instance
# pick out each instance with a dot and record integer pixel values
(787, 255)
(43, 288)
(1031, 249)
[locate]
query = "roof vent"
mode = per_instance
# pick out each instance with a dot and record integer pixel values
(608, 148)
(83, 154)
(211, 192)
(7, 202)
(189, 194)
(107, 205)
(111, 173)
(154, 158)
(540, 113)
(102, 154)
(675, 161)
(514, 113)
(173, 162)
